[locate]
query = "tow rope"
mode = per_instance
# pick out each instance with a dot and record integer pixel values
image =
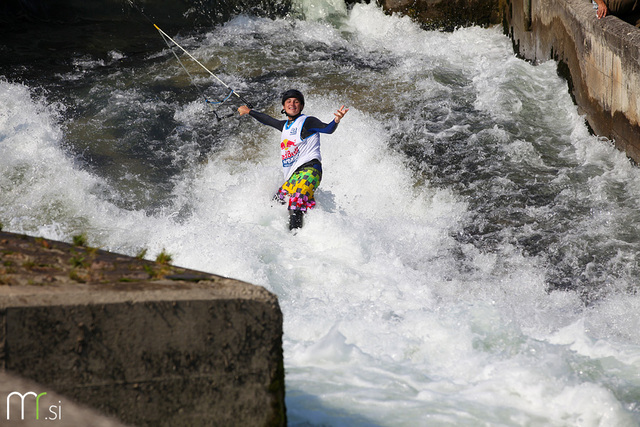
(168, 39)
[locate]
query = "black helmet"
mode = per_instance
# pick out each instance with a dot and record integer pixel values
(292, 93)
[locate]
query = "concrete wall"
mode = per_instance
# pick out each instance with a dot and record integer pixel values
(150, 344)
(600, 59)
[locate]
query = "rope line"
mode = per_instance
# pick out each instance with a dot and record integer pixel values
(168, 38)
(187, 71)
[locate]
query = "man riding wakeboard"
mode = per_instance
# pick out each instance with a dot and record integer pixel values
(300, 149)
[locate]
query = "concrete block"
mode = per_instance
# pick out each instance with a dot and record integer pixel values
(148, 344)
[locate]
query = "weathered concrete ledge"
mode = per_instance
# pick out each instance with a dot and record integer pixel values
(147, 343)
(600, 57)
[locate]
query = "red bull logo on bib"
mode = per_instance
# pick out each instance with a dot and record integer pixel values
(289, 152)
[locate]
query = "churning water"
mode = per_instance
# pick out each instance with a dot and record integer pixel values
(473, 258)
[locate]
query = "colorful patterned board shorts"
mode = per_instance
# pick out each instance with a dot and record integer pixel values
(300, 188)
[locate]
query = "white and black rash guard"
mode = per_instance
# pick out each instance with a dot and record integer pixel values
(300, 143)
